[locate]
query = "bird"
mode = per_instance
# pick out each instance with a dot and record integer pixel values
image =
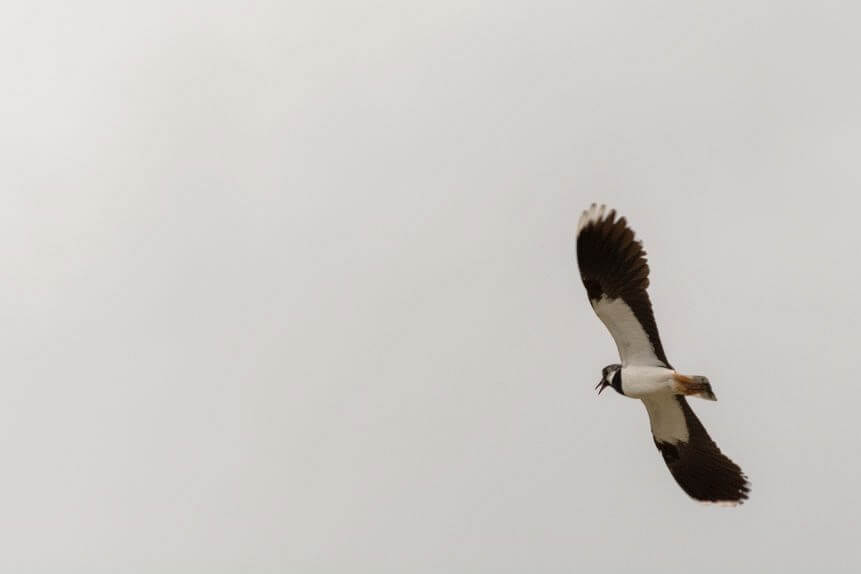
(615, 273)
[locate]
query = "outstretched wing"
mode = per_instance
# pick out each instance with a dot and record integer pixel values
(614, 270)
(693, 458)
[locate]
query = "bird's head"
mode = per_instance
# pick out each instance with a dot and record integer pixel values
(611, 376)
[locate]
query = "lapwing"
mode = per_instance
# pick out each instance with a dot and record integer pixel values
(615, 273)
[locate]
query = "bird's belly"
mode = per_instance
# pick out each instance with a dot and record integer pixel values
(639, 382)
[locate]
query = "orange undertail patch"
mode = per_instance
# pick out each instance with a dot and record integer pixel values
(696, 386)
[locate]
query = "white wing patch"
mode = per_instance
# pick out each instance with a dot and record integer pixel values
(594, 213)
(666, 418)
(633, 343)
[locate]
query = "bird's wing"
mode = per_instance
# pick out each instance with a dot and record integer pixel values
(693, 458)
(614, 270)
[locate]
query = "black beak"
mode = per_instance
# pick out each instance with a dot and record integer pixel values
(602, 384)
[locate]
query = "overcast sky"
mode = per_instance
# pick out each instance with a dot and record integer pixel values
(291, 287)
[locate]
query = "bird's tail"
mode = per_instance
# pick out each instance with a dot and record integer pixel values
(696, 385)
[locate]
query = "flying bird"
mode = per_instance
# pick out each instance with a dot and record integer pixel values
(615, 273)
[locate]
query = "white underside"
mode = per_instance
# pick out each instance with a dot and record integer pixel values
(655, 386)
(639, 381)
(666, 418)
(631, 339)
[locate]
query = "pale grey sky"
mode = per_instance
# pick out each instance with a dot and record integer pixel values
(291, 287)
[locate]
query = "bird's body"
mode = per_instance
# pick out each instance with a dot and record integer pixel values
(642, 381)
(615, 273)
(639, 381)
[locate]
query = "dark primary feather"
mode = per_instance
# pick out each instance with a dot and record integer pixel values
(613, 263)
(700, 468)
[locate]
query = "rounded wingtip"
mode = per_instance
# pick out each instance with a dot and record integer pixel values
(594, 214)
(742, 496)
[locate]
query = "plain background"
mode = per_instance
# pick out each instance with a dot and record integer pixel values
(291, 287)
